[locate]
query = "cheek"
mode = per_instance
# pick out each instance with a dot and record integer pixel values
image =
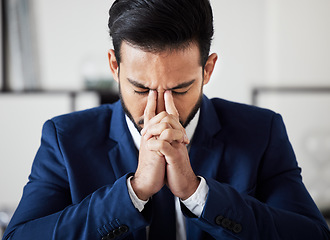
(185, 104)
(134, 103)
(137, 104)
(141, 106)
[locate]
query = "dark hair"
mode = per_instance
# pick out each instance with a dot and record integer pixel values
(156, 25)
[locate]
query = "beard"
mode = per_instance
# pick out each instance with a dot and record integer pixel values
(193, 111)
(138, 125)
(128, 113)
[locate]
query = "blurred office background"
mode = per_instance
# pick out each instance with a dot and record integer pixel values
(272, 53)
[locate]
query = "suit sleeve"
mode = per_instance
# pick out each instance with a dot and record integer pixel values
(281, 207)
(46, 210)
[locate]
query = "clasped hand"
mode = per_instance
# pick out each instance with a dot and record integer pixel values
(163, 156)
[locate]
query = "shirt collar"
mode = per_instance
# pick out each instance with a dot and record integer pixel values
(190, 129)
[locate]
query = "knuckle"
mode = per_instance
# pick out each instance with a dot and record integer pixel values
(175, 116)
(163, 115)
(166, 134)
(150, 144)
(163, 145)
(163, 126)
(171, 135)
(166, 119)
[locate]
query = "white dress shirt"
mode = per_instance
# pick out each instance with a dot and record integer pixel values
(195, 203)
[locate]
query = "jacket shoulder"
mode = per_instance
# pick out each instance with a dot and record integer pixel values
(233, 111)
(85, 119)
(243, 121)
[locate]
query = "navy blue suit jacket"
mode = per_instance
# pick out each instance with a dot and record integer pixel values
(77, 187)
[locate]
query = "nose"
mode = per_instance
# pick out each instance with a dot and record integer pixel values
(160, 102)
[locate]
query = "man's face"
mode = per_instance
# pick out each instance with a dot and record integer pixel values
(177, 70)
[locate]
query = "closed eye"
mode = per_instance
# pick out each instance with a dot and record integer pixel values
(179, 93)
(141, 92)
(147, 92)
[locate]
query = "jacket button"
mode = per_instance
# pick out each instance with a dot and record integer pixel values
(123, 229)
(116, 232)
(110, 236)
(237, 228)
(218, 220)
(232, 225)
(226, 223)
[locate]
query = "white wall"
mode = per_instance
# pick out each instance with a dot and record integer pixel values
(20, 131)
(21, 120)
(71, 34)
(298, 42)
(239, 43)
(306, 55)
(1, 74)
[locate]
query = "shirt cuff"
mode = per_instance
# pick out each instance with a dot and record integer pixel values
(196, 202)
(137, 202)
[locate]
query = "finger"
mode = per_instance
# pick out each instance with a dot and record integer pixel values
(172, 135)
(175, 124)
(150, 110)
(154, 120)
(169, 104)
(158, 146)
(166, 132)
(155, 130)
(173, 121)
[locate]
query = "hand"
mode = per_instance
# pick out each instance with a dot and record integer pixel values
(149, 177)
(167, 137)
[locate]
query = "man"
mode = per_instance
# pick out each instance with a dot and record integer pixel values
(165, 162)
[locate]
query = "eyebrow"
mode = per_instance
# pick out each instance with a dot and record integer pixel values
(179, 86)
(137, 84)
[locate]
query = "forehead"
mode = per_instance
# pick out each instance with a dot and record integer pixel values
(166, 66)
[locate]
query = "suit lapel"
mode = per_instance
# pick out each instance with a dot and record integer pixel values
(206, 150)
(123, 155)
(205, 155)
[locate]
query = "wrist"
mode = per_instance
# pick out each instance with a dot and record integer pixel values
(196, 202)
(138, 203)
(138, 190)
(192, 187)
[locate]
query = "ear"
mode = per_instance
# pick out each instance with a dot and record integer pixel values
(114, 66)
(209, 67)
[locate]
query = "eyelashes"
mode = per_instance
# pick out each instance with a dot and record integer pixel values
(141, 92)
(179, 93)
